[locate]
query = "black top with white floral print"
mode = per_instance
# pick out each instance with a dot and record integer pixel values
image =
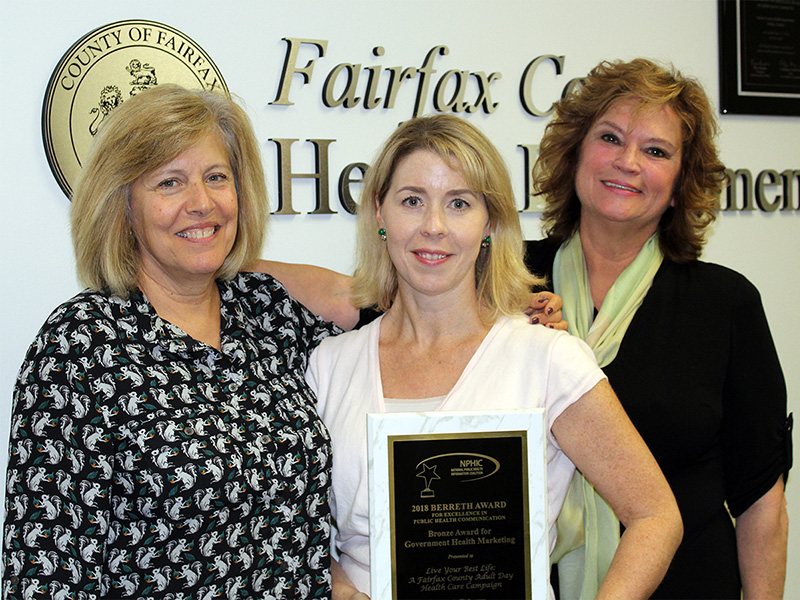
(146, 464)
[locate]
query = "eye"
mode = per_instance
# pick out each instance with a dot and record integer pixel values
(459, 204)
(657, 152)
(168, 183)
(610, 138)
(217, 177)
(412, 201)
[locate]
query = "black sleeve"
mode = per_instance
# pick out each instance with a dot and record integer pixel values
(756, 431)
(59, 471)
(539, 257)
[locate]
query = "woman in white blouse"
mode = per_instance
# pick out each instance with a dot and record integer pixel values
(440, 251)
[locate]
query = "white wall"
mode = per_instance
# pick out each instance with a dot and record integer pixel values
(36, 272)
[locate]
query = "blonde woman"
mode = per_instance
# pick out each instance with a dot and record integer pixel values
(440, 250)
(165, 442)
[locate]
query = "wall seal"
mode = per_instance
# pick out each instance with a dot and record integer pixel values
(104, 68)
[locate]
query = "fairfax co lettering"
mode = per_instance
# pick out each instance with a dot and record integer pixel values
(454, 90)
(349, 85)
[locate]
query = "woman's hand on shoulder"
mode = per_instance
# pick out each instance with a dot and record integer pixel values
(324, 292)
(545, 309)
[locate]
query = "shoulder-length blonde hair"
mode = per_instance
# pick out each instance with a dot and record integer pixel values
(502, 281)
(147, 131)
(701, 178)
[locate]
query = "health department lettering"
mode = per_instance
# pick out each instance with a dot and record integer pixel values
(768, 191)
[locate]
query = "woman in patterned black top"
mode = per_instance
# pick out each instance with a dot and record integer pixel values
(164, 441)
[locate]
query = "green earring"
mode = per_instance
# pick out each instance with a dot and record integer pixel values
(382, 233)
(486, 241)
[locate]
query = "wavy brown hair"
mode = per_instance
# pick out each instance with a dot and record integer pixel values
(682, 228)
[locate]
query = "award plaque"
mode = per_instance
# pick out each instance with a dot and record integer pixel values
(458, 505)
(759, 54)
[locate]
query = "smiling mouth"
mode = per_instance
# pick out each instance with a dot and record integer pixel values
(431, 255)
(618, 186)
(199, 234)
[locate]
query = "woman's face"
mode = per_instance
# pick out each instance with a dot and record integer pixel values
(434, 226)
(629, 163)
(184, 214)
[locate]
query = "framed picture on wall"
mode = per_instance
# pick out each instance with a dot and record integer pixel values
(759, 55)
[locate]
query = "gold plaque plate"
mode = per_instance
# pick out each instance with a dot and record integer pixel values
(103, 69)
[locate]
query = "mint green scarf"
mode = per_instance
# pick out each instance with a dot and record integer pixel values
(588, 530)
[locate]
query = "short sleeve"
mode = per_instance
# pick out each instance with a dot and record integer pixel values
(574, 372)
